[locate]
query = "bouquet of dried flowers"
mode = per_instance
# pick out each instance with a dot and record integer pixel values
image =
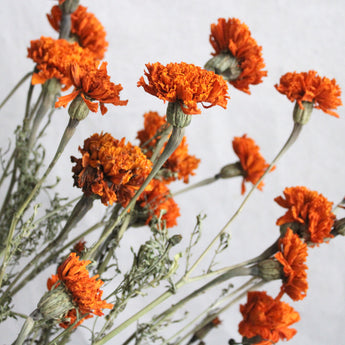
(131, 188)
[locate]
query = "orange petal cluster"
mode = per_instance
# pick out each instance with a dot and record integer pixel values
(185, 83)
(180, 162)
(93, 84)
(157, 200)
(292, 255)
(53, 57)
(232, 36)
(86, 27)
(309, 87)
(253, 164)
(110, 169)
(84, 291)
(309, 208)
(267, 318)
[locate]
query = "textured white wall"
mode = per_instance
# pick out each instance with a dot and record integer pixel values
(296, 35)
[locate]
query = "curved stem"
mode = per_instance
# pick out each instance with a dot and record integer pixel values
(172, 144)
(21, 81)
(292, 138)
(69, 131)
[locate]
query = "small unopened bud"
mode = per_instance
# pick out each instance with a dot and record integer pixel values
(231, 170)
(176, 239)
(224, 64)
(55, 304)
(302, 116)
(270, 269)
(78, 109)
(339, 227)
(69, 6)
(176, 116)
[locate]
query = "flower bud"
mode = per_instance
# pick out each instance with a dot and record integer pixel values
(55, 304)
(270, 269)
(224, 64)
(176, 116)
(231, 170)
(176, 239)
(302, 116)
(78, 109)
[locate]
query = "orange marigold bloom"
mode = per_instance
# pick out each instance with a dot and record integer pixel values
(181, 163)
(84, 291)
(267, 318)
(253, 164)
(233, 37)
(308, 86)
(53, 57)
(157, 200)
(292, 255)
(110, 168)
(310, 209)
(185, 83)
(93, 84)
(86, 27)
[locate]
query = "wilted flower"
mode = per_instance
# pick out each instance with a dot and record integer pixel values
(252, 163)
(110, 169)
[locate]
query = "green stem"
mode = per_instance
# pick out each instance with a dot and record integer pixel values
(160, 144)
(202, 183)
(4, 174)
(80, 209)
(172, 144)
(292, 138)
(21, 81)
(69, 131)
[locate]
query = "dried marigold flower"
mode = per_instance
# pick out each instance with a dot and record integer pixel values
(267, 318)
(323, 93)
(110, 169)
(53, 57)
(292, 255)
(185, 84)
(158, 200)
(92, 84)
(84, 291)
(86, 27)
(180, 163)
(79, 247)
(234, 38)
(253, 164)
(311, 210)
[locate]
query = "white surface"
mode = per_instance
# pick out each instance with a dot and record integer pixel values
(295, 35)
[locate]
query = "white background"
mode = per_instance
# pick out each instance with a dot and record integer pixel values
(295, 35)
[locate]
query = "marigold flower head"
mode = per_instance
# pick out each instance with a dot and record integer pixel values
(180, 163)
(253, 164)
(292, 255)
(186, 84)
(158, 200)
(110, 169)
(86, 27)
(310, 209)
(268, 318)
(84, 291)
(233, 37)
(53, 57)
(309, 87)
(92, 84)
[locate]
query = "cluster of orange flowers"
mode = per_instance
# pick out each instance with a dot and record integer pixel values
(84, 291)
(110, 168)
(180, 163)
